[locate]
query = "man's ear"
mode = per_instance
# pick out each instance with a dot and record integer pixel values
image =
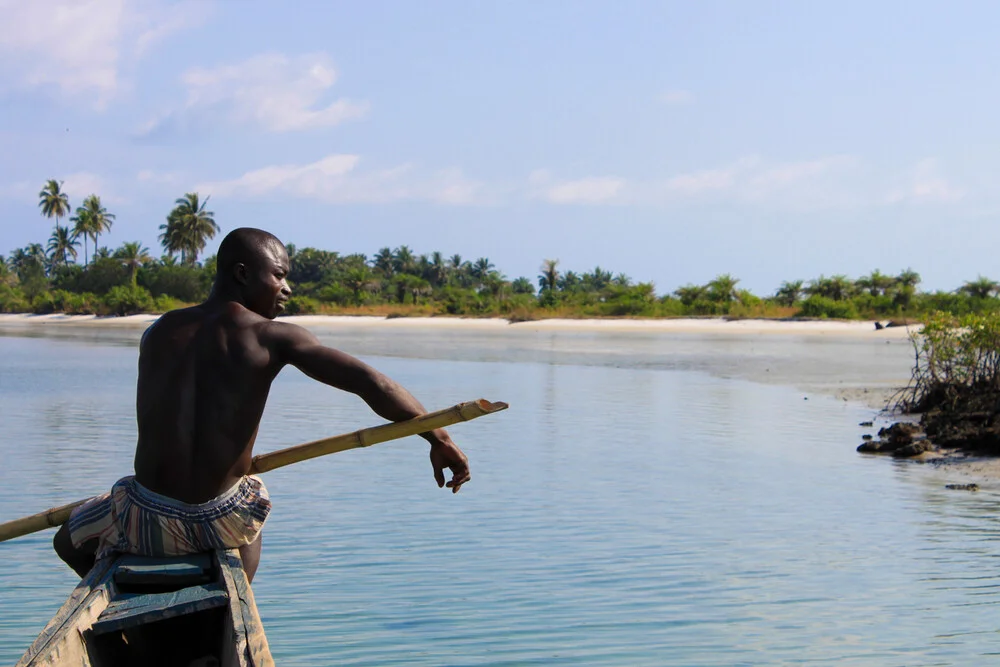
(240, 274)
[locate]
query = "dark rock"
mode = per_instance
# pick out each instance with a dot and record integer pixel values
(962, 487)
(877, 447)
(866, 436)
(913, 449)
(900, 433)
(866, 424)
(878, 326)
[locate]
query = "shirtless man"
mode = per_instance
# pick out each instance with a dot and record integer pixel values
(204, 377)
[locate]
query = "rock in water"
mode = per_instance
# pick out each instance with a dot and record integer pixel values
(962, 487)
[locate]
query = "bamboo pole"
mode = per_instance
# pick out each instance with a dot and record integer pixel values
(283, 457)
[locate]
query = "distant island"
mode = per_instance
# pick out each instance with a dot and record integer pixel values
(49, 278)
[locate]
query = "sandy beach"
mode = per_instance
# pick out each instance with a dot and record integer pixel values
(849, 359)
(680, 325)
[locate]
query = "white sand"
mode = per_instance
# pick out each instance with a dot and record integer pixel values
(686, 325)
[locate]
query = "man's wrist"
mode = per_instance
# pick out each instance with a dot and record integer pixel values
(437, 437)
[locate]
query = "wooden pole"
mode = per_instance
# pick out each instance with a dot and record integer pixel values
(283, 457)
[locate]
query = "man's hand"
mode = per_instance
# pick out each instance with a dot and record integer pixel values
(446, 454)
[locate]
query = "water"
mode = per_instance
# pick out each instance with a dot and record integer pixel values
(631, 508)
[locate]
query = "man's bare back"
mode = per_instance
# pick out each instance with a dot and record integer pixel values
(204, 376)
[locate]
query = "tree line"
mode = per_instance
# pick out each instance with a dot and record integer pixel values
(47, 278)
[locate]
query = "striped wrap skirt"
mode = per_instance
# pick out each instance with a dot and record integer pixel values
(132, 519)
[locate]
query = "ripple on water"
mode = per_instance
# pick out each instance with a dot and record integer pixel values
(617, 516)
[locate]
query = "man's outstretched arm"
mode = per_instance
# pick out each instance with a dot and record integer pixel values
(386, 397)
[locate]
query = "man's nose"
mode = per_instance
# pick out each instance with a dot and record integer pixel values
(285, 289)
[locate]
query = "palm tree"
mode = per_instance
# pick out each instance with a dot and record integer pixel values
(549, 276)
(81, 227)
(100, 219)
(877, 283)
(522, 286)
(383, 261)
(438, 271)
(570, 282)
(53, 201)
(688, 294)
(908, 279)
(358, 279)
(29, 262)
(481, 269)
(403, 260)
(62, 246)
(621, 280)
(838, 287)
(723, 288)
(189, 227)
(789, 292)
(90, 220)
(133, 255)
(980, 288)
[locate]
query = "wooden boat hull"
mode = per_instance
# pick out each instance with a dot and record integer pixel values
(195, 611)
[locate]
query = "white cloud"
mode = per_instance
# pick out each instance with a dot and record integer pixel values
(677, 97)
(809, 183)
(154, 177)
(923, 184)
(588, 190)
(76, 47)
(336, 179)
(274, 91)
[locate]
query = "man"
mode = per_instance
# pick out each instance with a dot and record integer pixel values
(204, 377)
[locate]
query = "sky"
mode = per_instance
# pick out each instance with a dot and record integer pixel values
(670, 141)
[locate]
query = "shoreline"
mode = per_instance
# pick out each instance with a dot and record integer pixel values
(853, 328)
(856, 385)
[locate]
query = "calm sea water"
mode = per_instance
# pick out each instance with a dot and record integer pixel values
(639, 504)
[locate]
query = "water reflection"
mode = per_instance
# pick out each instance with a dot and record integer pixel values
(616, 516)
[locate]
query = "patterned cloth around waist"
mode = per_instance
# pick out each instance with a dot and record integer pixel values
(132, 519)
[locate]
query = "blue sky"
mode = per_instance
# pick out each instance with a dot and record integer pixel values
(669, 141)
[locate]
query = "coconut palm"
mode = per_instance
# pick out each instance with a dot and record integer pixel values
(81, 228)
(522, 286)
(100, 219)
(789, 292)
(29, 262)
(980, 288)
(438, 271)
(383, 261)
(688, 294)
(53, 201)
(908, 279)
(549, 276)
(188, 228)
(723, 288)
(877, 283)
(403, 260)
(481, 269)
(90, 221)
(133, 255)
(62, 246)
(621, 280)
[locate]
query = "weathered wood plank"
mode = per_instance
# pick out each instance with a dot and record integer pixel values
(180, 571)
(250, 645)
(129, 610)
(80, 600)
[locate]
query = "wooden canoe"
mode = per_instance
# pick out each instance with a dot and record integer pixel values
(190, 611)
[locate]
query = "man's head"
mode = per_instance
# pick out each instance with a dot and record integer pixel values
(253, 265)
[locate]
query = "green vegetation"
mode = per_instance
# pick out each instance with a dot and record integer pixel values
(956, 379)
(397, 281)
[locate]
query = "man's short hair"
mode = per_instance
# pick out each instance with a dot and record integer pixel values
(243, 245)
